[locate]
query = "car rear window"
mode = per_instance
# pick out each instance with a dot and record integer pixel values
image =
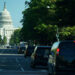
(30, 49)
(43, 51)
(67, 49)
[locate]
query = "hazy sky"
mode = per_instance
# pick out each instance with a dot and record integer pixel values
(15, 7)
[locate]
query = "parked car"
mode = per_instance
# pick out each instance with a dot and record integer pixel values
(22, 47)
(29, 51)
(62, 58)
(8, 47)
(40, 56)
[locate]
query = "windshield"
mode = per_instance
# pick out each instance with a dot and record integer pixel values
(43, 51)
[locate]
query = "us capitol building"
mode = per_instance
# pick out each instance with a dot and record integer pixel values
(6, 25)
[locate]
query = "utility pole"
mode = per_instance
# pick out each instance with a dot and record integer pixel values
(57, 34)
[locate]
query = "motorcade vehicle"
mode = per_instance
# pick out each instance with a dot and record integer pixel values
(29, 51)
(8, 46)
(22, 47)
(40, 56)
(62, 58)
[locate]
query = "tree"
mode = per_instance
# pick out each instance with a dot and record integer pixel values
(0, 40)
(4, 41)
(65, 12)
(38, 12)
(42, 14)
(15, 38)
(46, 34)
(67, 33)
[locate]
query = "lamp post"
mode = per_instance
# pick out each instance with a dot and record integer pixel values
(48, 6)
(57, 34)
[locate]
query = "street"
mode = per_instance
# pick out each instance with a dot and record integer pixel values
(8, 51)
(12, 63)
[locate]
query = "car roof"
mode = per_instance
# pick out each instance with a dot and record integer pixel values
(43, 46)
(64, 41)
(31, 46)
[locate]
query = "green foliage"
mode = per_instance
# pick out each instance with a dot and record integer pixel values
(41, 17)
(38, 12)
(0, 40)
(67, 33)
(4, 41)
(46, 34)
(65, 12)
(15, 38)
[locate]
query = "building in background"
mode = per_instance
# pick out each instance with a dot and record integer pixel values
(6, 24)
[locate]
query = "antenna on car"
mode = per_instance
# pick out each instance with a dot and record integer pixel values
(57, 34)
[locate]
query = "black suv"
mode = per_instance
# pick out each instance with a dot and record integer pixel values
(62, 58)
(40, 56)
(29, 51)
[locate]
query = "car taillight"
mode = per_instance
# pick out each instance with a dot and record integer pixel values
(74, 41)
(57, 52)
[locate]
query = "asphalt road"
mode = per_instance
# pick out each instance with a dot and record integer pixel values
(12, 63)
(8, 51)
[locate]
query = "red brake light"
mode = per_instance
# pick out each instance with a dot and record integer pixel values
(74, 41)
(58, 49)
(57, 52)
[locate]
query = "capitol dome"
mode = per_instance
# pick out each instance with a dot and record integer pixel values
(6, 25)
(5, 18)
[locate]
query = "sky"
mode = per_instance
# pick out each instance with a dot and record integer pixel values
(15, 7)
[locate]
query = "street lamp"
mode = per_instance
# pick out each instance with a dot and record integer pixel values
(57, 34)
(48, 6)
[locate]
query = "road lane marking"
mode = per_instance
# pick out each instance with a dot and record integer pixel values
(19, 65)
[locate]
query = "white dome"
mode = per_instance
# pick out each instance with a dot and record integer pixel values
(5, 12)
(5, 18)
(6, 26)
